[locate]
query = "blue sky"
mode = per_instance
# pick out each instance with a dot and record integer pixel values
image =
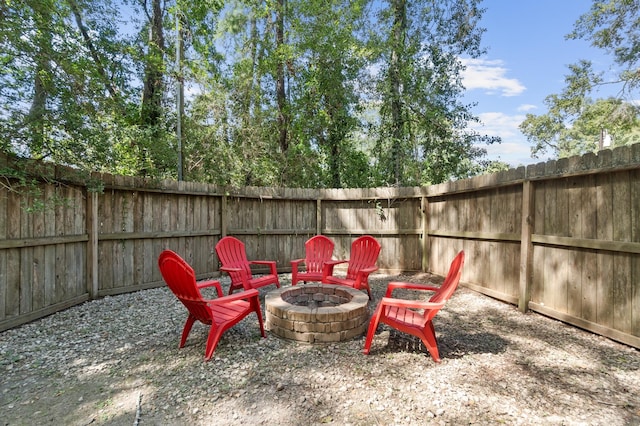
(527, 60)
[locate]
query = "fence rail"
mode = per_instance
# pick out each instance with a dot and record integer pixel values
(561, 238)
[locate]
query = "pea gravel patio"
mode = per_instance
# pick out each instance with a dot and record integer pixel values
(115, 361)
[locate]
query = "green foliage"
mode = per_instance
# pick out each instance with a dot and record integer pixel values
(422, 136)
(575, 123)
(92, 85)
(613, 26)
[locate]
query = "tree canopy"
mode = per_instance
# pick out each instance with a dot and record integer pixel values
(304, 93)
(575, 123)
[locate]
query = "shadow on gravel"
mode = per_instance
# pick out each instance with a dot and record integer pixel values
(452, 343)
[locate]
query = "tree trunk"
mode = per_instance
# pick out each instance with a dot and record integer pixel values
(41, 86)
(395, 76)
(281, 94)
(95, 55)
(151, 110)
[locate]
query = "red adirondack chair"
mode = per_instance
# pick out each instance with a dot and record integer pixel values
(233, 256)
(221, 313)
(403, 315)
(362, 262)
(318, 250)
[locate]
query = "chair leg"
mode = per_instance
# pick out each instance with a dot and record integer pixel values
(373, 325)
(256, 308)
(430, 341)
(212, 341)
(186, 330)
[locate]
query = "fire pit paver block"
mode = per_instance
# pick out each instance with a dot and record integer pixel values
(316, 313)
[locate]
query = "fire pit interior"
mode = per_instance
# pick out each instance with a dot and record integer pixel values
(316, 313)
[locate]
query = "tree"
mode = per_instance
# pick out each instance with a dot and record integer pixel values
(613, 26)
(423, 136)
(280, 92)
(61, 80)
(568, 129)
(575, 123)
(327, 67)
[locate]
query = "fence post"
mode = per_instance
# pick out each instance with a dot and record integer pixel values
(426, 246)
(526, 246)
(224, 225)
(318, 216)
(92, 243)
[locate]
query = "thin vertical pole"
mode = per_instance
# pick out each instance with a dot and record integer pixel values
(180, 95)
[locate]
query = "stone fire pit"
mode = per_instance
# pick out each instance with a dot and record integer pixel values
(316, 313)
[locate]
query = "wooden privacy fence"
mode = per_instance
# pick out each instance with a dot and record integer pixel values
(561, 238)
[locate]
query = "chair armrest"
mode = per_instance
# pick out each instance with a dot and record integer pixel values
(327, 267)
(335, 262)
(362, 276)
(243, 295)
(296, 262)
(416, 304)
(408, 286)
(210, 283)
(270, 263)
(262, 262)
(368, 270)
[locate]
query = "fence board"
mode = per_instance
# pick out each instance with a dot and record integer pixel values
(588, 230)
(635, 237)
(605, 260)
(585, 245)
(622, 286)
(562, 278)
(484, 225)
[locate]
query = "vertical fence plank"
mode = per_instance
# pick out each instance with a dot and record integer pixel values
(635, 237)
(26, 257)
(562, 255)
(38, 267)
(526, 246)
(13, 256)
(50, 250)
(589, 270)
(604, 219)
(92, 244)
(575, 258)
(622, 286)
(426, 240)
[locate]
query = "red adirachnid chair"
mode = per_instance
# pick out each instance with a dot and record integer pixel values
(318, 250)
(362, 262)
(233, 257)
(220, 314)
(405, 316)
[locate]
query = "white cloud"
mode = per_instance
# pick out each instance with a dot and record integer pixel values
(489, 75)
(500, 124)
(514, 149)
(526, 107)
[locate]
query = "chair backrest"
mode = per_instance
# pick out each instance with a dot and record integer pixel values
(181, 279)
(364, 253)
(318, 249)
(451, 281)
(232, 254)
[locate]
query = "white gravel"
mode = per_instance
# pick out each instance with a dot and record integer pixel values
(115, 361)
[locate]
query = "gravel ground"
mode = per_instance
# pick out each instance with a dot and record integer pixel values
(115, 361)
